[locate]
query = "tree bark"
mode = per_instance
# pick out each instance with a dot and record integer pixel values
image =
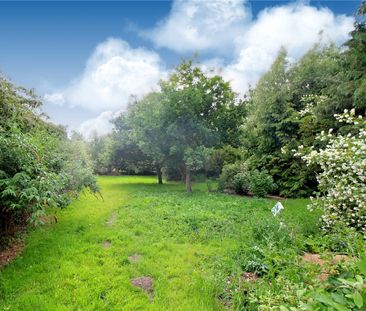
(160, 175)
(182, 171)
(188, 180)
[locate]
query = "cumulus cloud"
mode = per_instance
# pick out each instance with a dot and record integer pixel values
(246, 69)
(297, 27)
(113, 74)
(201, 25)
(100, 125)
(195, 25)
(242, 49)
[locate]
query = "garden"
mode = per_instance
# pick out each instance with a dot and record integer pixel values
(199, 198)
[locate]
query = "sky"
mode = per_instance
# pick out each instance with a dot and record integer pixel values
(86, 60)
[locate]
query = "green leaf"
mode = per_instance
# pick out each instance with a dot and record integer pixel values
(359, 279)
(330, 302)
(357, 298)
(8, 192)
(338, 298)
(362, 266)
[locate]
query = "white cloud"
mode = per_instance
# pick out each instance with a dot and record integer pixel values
(222, 28)
(201, 25)
(247, 68)
(196, 25)
(55, 98)
(100, 125)
(297, 27)
(113, 74)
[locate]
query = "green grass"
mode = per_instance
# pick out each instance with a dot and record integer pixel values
(189, 245)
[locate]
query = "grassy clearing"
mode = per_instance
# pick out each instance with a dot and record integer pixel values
(188, 244)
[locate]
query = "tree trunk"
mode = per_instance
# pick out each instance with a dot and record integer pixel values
(188, 180)
(160, 175)
(182, 170)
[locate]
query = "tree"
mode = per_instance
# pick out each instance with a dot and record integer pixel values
(198, 113)
(312, 75)
(126, 157)
(271, 124)
(269, 121)
(275, 123)
(149, 130)
(349, 89)
(100, 149)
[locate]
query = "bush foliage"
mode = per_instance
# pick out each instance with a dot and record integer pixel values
(238, 177)
(40, 166)
(342, 181)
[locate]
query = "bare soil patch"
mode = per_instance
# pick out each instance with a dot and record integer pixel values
(10, 253)
(107, 244)
(233, 285)
(135, 258)
(146, 283)
(316, 259)
(324, 263)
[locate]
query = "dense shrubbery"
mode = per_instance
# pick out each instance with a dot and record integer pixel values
(346, 291)
(239, 178)
(39, 166)
(261, 183)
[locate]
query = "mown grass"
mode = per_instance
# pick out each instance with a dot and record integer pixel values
(189, 245)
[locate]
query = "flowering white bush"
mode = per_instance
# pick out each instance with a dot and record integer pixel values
(310, 101)
(342, 181)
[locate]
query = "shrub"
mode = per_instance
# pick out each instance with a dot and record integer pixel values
(39, 166)
(220, 157)
(241, 182)
(342, 181)
(226, 180)
(260, 183)
(239, 178)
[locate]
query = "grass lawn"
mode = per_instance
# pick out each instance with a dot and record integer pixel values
(187, 244)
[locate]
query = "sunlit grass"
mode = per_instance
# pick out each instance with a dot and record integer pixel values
(181, 239)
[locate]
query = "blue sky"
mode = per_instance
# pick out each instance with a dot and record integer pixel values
(87, 58)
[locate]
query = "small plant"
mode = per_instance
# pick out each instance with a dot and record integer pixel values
(345, 292)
